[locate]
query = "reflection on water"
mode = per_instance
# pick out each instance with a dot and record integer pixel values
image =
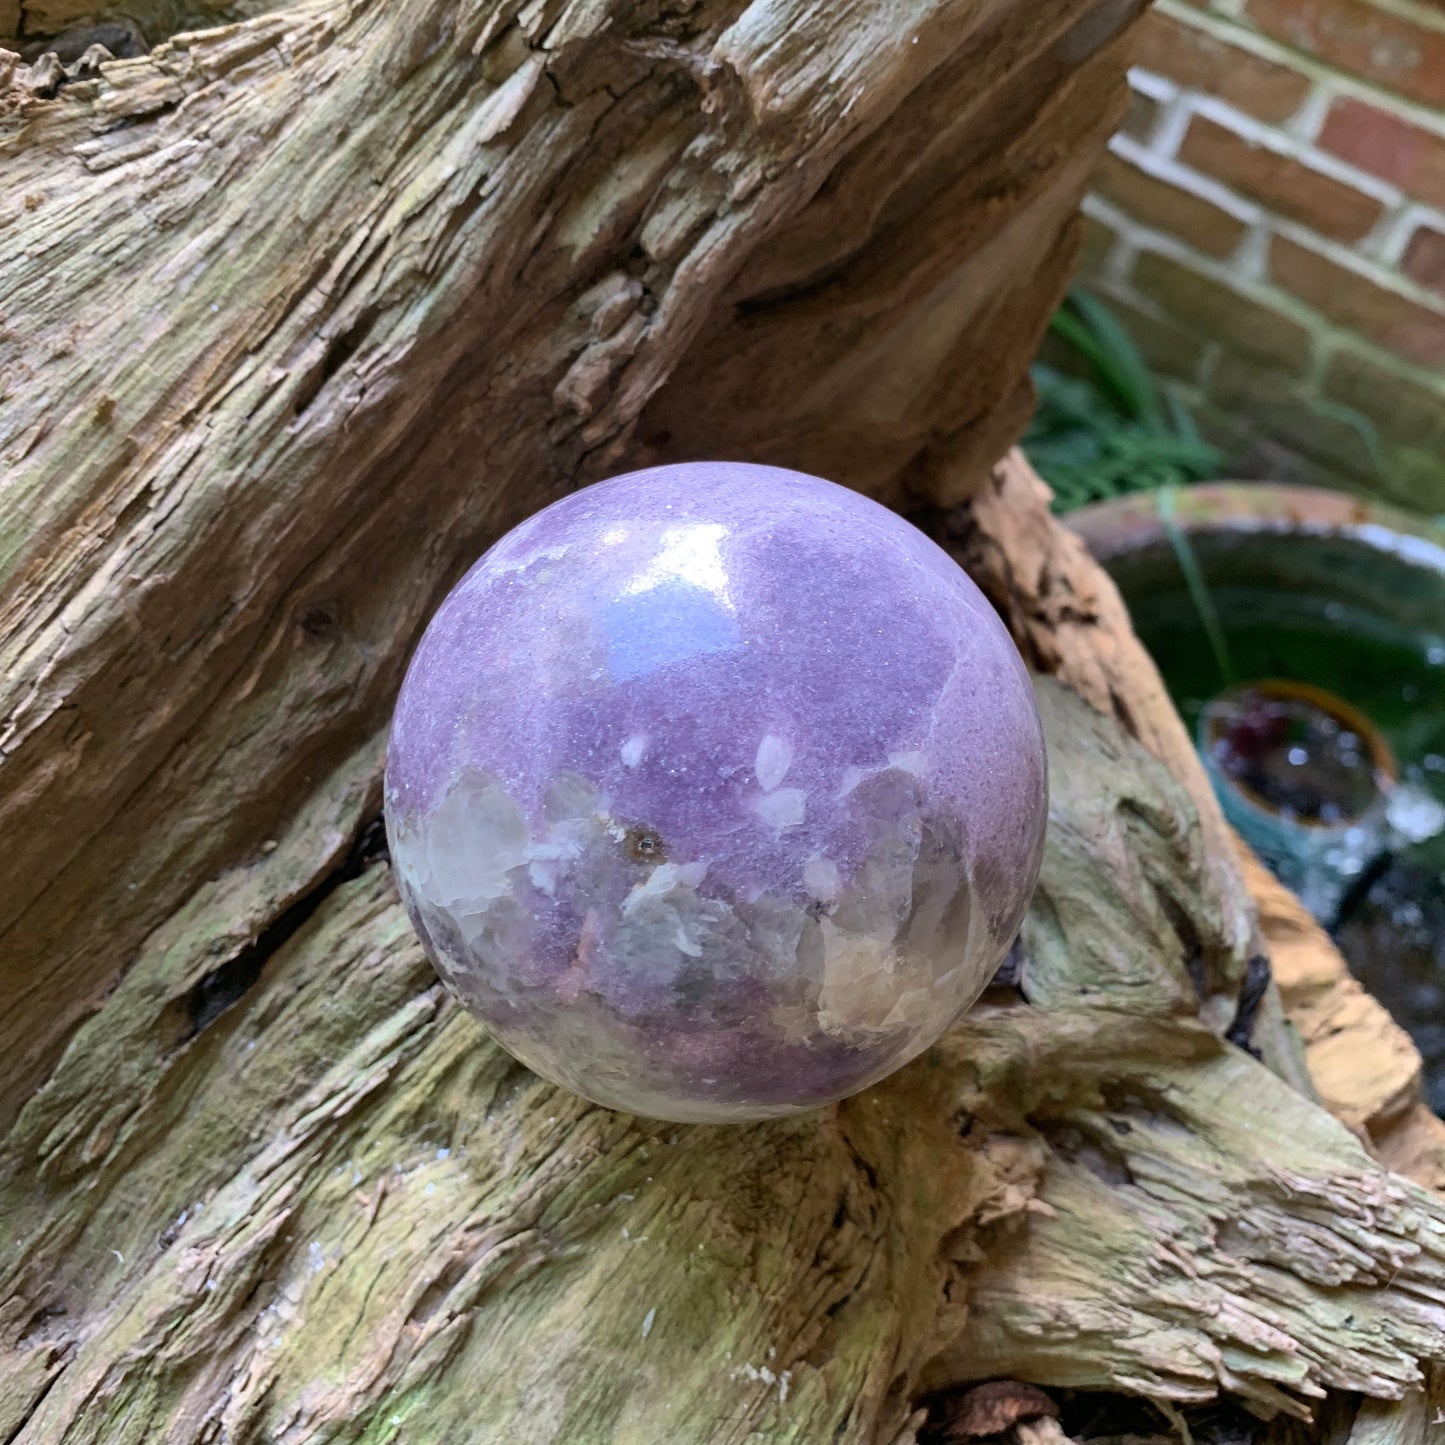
(1310, 783)
(1297, 752)
(1374, 866)
(1394, 940)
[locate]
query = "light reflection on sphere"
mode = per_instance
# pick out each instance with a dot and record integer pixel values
(716, 791)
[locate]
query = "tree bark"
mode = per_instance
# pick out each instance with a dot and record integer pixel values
(299, 313)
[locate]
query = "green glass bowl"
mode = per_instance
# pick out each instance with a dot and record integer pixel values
(1306, 589)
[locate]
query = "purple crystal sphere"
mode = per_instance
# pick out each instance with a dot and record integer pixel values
(716, 791)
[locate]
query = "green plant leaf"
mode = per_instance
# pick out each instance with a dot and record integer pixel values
(1113, 431)
(1121, 367)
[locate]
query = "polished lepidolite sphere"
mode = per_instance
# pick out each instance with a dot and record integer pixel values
(716, 791)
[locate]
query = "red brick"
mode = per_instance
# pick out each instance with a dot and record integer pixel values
(1222, 313)
(1425, 258)
(1285, 414)
(1194, 58)
(1410, 418)
(1388, 49)
(1286, 186)
(1166, 207)
(1354, 301)
(1405, 411)
(1388, 147)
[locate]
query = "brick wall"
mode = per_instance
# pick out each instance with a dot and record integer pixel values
(1270, 223)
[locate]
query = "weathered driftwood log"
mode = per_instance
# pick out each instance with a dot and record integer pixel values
(299, 313)
(1340, 1043)
(335, 1211)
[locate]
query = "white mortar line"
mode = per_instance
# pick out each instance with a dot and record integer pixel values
(1197, 183)
(1269, 138)
(1335, 339)
(1309, 120)
(1141, 238)
(1173, 122)
(1251, 260)
(1396, 230)
(1157, 87)
(1238, 33)
(1163, 92)
(1328, 335)
(1382, 242)
(1120, 261)
(1348, 259)
(1411, 10)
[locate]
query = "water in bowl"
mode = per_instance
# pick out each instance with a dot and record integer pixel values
(1356, 626)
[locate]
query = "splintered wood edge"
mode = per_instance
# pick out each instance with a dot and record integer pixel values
(1069, 619)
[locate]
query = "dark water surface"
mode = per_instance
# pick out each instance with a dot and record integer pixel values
(1370, 628)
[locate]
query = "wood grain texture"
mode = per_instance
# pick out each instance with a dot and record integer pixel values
(280, 1187)
(299, 313)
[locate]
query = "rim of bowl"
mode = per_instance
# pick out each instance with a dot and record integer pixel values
(1125, 524)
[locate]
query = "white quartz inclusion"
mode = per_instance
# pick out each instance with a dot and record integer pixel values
(775, 757)
(782, 808)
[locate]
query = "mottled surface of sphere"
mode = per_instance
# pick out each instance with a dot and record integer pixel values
(716, 791)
